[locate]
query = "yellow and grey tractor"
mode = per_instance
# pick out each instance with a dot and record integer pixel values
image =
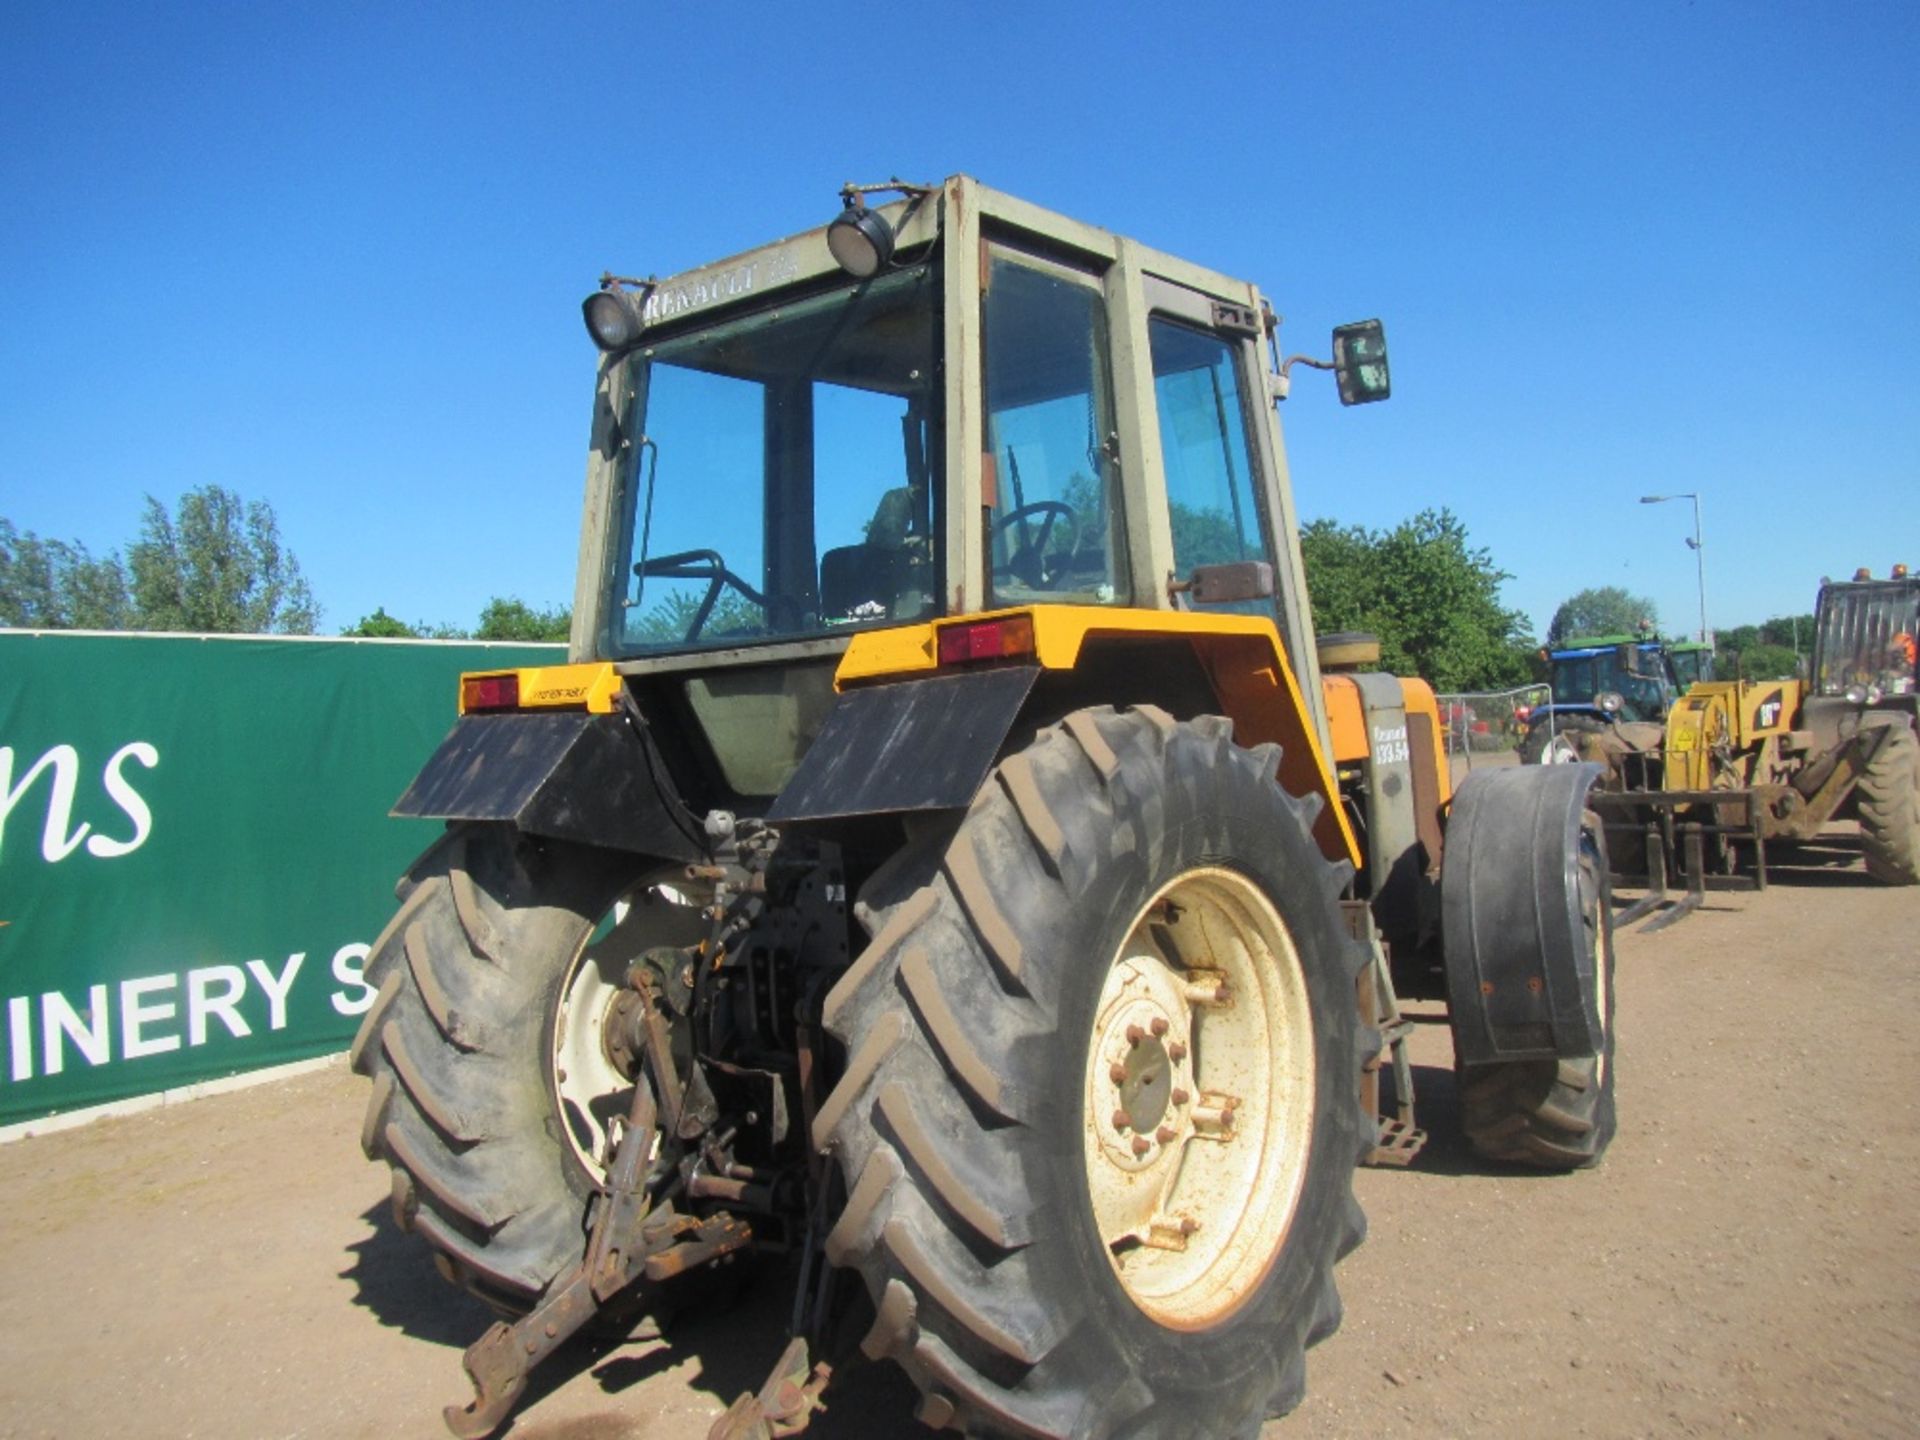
(942, 863)
(1778, 760)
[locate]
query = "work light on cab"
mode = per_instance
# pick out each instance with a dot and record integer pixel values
(612, 320)
(861, 241)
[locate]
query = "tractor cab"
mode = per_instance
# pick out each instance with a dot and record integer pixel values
(1692, 662)
(1864, 639)
(942, 862)
(1590, 674)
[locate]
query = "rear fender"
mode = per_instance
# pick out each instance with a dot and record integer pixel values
(595, 779)
(1521, 982)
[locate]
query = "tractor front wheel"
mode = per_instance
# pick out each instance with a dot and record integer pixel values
(1555, 1114)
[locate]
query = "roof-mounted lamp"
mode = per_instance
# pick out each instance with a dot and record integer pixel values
(613, 312)
(860, 240)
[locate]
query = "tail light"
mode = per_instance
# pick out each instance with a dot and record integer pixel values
(1008, 637)
(489, 692)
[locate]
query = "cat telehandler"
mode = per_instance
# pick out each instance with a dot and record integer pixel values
(942, 862)
(1746, 763)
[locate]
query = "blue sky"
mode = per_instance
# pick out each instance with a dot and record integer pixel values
(332, 256)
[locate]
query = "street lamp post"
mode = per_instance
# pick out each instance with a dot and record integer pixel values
(1699, 554)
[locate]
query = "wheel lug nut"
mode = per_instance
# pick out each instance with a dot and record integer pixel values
(1180, 1097)
(1160, 1026)
(1121, 1120)
(1165, 1134)
(1135, 1034)
(1141, 1145)
(1117, 1073)
(1177, 1050)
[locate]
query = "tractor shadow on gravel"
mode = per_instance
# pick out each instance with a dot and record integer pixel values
(734, 1332)
(1829, 861)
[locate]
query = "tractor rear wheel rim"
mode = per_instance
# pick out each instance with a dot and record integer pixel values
(592, 1088)
(1199, 1098)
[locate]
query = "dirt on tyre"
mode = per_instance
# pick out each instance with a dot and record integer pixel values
(1099, 1118)
(488, 979)
(1888, 800)
(1555, 1114)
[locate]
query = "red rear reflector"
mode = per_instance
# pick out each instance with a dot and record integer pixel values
(489, 692)
(986, 640)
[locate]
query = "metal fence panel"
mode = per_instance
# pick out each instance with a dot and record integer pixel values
(1487, 723)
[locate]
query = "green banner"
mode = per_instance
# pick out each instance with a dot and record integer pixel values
(195, 850)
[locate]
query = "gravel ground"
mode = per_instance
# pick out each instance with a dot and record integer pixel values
(1747, 1260)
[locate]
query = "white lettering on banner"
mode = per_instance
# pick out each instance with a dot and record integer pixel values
(20, 1037)
(57, 841)
(150, 1011)
(64, 760)
(226, 1005)
(135, 1016)
(350, 968)
(277, 987)
(90, 1033)
(124, 795)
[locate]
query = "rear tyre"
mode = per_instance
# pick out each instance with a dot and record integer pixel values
(1888, 797)
(1064, 1228)
(1554, 1114)
(491, 1090)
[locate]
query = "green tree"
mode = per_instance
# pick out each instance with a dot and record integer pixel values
(1793, 631)
(1206, 537)
(510, 618)
(668, 619)
(1760, 661)
(1431, 597)
(1608, 610)
(56, 585)
(382, 626)
(216, 566)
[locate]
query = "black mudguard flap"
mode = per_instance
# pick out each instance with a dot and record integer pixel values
(1520, 980)
(571, 776)
(910, 746)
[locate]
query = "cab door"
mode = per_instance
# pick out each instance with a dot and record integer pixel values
(1227, 491)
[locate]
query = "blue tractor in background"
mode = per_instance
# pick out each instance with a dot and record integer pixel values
(1597, 683)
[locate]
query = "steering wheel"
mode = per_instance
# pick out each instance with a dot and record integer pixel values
(700, 565)
(1028, 563)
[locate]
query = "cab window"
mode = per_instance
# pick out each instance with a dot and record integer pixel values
(1051, 487)
(1211, 498)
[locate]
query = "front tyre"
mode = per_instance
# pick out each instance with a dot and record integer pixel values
(1555, 1114)
(1100, 1113)
(1889, 805)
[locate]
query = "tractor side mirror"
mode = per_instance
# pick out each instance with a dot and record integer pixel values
(1360, 362)
(1224, 584)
